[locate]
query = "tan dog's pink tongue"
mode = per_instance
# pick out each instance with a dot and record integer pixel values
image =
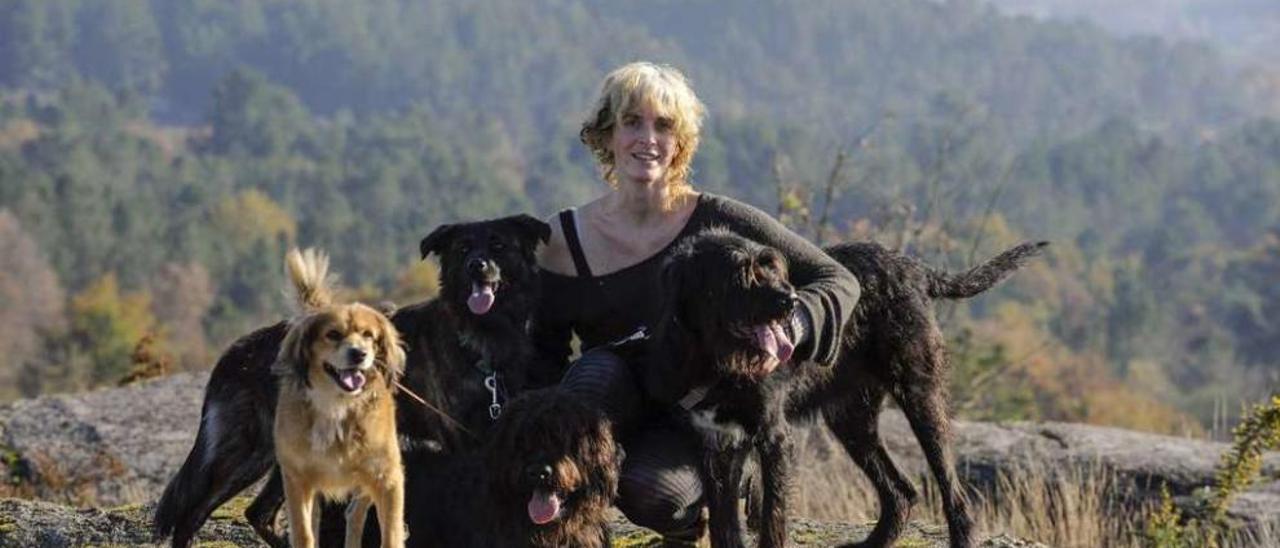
(351, 379)
(481, 299)
(543, 507)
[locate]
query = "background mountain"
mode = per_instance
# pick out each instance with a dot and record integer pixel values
(1247, 29)
(158, 157)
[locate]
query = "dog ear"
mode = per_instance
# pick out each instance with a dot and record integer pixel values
(669, 373)
(606, 458)
(663, 374)
(294, 357)
(391, 354)
(503, 443)
(676, 280)
(532, 229)
(436, 241)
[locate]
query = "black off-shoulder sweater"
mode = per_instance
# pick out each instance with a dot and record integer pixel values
(605, 308)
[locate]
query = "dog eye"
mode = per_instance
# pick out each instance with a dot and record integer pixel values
(367, 334)
(333, 335)
(498, 247)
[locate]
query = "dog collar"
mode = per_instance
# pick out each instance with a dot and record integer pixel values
(483, 366)
(640, 334)
(695, 396)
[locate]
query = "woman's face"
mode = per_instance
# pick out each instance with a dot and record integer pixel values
(643, 144)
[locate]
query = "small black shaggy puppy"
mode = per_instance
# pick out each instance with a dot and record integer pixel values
(720, 334)
(544, 479)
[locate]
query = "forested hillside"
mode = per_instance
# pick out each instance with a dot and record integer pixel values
(1246, 29)
(158, 157)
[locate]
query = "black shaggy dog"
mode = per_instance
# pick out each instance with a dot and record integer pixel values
(544, 479)
(467, 351)
(727, 297)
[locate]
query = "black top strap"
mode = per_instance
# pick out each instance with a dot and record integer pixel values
(570, 229)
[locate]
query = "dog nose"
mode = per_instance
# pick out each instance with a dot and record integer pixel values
(477, 267)
(540, 474)
(356, 355)
(789, 301)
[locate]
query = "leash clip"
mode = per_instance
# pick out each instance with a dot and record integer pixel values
(491, 383)
(639, 334)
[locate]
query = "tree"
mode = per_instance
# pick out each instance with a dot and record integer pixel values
(250, 216)
(31, 301)
(119, 45)
(106, 325)
(35, 42)
(253, 117)
(182, 296)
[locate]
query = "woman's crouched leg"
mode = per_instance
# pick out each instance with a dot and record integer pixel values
(659, 485)
(602, 379)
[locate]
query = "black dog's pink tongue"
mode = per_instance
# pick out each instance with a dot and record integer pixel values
(481, 299)
(351, 379)
(773, 339)
(785, 346)
(543, 507)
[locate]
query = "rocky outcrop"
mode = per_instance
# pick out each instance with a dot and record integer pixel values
(1136, 464)
(108, 447)
(34, 524)
(38, 524)
(118, 447)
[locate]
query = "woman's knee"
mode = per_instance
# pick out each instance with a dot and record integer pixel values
(669, 514)
(603, 379)
(659, 487)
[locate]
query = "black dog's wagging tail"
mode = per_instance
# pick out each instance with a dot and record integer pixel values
(982, 277)
(223, 462)
(184, 493)
(175, 502)
(308, 273)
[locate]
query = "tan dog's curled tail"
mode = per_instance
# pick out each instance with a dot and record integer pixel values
(311, 285)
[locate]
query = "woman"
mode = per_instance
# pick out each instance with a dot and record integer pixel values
(601, 281)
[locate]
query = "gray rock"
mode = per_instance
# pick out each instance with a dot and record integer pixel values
(34, 524)
(119, 446)
(1138, 462)
(37, 524)
(107, 447)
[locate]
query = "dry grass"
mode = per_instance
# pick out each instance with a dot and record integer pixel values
(38, 476)
(1076, 506)
(1072, 507)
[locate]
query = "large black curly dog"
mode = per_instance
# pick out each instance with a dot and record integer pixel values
(726, 298)
(462, 346)
(544, 479)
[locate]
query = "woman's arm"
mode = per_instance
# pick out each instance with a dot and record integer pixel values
(828, 291)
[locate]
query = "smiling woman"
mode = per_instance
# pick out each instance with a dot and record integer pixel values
(602, 281)
(645, 128)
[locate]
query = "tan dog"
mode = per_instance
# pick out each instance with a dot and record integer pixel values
(335, 427)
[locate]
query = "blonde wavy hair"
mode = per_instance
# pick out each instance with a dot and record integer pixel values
(667, 91)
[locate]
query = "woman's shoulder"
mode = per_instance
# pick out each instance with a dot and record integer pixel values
(554, 256)
(718, 209)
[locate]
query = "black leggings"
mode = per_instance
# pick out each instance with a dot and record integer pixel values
(659, 487)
